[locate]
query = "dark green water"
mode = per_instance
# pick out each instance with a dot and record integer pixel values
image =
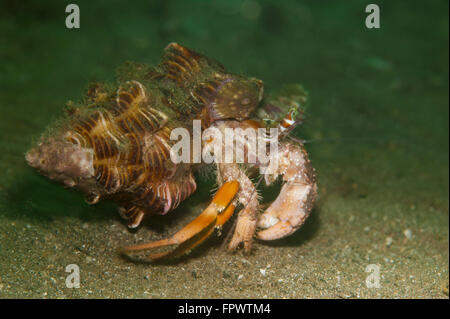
(378, 121)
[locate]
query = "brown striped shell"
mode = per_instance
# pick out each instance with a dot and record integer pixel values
(117, 144)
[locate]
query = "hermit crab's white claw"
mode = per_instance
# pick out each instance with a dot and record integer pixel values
(288, 212)
(296, 199)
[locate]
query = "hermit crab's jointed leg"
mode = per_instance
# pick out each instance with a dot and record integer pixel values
(295, 201)
(248, 197)
(215, 215)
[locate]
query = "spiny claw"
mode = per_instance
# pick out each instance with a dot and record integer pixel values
(296, 199)
(215, 215)
(288, 212)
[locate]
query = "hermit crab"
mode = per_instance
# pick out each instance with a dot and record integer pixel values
(118, 143)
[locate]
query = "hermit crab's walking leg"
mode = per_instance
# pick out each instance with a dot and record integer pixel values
(215, 215)
(248, 197)
(295, 201)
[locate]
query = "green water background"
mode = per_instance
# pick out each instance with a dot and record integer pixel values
(378, 121)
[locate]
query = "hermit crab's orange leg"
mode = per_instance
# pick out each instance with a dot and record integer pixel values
(215, 215)
(197, 239)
